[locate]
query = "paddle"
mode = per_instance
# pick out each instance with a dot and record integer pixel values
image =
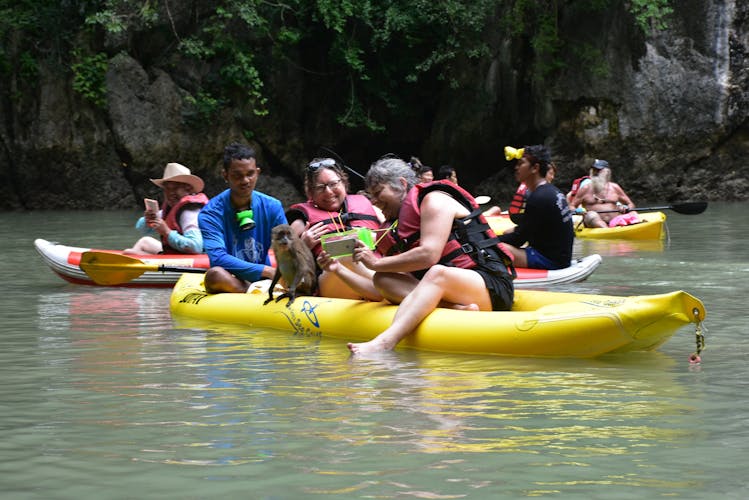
(686, 208)
(114, 269)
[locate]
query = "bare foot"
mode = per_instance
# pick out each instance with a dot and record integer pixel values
(374, 345)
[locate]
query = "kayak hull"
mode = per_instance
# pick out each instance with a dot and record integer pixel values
(65, 262)
(541, 324)
(652, 227)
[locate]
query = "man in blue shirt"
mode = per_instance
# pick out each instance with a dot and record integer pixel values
(236, 226)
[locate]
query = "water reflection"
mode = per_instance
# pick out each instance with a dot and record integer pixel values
(102, 387)
(581, 409)
(92, 309)
(241, 402)
(617, 248)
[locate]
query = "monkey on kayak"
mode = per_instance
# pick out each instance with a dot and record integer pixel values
(294, 263)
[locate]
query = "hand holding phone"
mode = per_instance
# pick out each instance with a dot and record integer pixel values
(151, 205)
(339, 246)
(342, 244)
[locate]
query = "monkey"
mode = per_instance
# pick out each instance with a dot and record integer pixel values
(295, 264)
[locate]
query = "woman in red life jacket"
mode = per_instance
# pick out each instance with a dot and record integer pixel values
(439, 252)
(329, 209)
(173, 228)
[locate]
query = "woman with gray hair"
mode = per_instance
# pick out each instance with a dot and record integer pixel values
(438, 252)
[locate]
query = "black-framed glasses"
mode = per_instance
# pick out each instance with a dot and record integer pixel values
(316, 165)
(319, 188)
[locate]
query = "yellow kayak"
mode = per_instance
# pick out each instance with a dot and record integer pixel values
(541, 324)
(652, 227)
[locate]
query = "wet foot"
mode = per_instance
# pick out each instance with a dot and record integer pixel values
(373, 346)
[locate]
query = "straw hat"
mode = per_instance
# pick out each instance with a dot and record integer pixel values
(174, 172)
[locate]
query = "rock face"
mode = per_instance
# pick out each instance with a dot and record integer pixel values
(669, 114)
(668, 110)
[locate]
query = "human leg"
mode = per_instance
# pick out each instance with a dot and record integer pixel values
(593, 219)
(345, 279)
(146, 244)
(394, 287)
(440, 284)
(519, 258)
(536, 260)
(219, 280)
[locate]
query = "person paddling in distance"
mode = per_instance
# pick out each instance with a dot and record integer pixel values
(329, 209)
(237, 225)
(440, 252)
(601, 199)
(546, 221)
(173, 228)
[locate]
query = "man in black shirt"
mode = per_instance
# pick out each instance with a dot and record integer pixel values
(546, 224)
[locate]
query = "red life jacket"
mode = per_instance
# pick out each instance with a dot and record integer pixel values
(576, 184)
(171, 215)
(517, 205)
(356, 211)
(471, 242)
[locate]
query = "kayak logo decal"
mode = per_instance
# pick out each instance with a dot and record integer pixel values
(306, 323)
(193, 298)
(309, 310)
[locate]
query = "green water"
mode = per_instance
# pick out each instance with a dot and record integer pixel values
(103, 397)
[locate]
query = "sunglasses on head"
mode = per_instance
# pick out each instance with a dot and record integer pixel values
(316, 165)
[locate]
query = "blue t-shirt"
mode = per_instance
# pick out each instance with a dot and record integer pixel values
(242, 253)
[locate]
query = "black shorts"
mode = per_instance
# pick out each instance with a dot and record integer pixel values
(501, 289)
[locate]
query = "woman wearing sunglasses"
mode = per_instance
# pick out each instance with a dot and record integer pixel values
(328, 209)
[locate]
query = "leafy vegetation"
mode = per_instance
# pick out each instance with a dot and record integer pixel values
(651, 15)
(376, 51)
(89, 76)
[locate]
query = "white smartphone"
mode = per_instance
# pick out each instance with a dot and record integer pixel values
(339, 246)
(151, 205)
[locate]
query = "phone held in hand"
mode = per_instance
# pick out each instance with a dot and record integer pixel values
(342, 244)
(151, 205)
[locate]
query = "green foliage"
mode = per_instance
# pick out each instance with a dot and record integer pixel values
(538, 20)
(379, 57)
(118, 16)
(590, 59)
(201, 108)
(28, 67)
(226, 41)
(373, 47)
(89, 77)
(32, 33)
(651, 14)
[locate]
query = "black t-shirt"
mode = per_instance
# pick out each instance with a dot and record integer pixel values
(546, 225)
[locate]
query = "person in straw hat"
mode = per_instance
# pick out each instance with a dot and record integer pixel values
(173, 228)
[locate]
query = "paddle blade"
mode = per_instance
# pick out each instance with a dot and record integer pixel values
(690, 207)
(113, 269)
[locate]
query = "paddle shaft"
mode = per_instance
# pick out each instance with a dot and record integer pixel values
(343, 163)
(169, 269)
(687, 208)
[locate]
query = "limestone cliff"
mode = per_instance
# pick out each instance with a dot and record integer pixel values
(667, 109)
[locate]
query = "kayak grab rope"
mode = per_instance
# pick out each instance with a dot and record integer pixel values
(699, 339)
